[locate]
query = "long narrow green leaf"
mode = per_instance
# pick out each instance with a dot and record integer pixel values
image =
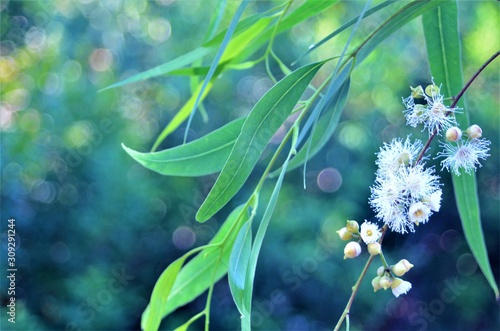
(393, 23)
(182, 114)
(200, 157)
(206, 267)
(259, 239)
(443, 50)
(187, 111)
(216, 19)
(151, 321)
(165, 68)
(345, 26)
(238, 266)
(215, 62)
(334, 85)
(261, 124)
(192, 56)
(324, 129)
(306, 10)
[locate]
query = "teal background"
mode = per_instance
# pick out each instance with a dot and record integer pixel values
(95, 229)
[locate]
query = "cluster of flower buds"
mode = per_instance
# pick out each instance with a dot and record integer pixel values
(368, 233)
(387, 278)
(433, 114)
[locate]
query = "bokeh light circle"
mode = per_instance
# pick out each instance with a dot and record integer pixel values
(329, 180)
(183, 237)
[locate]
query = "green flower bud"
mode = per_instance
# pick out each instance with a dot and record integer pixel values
(376, 284)
(417, 92)
(432, 90)
(352, 226)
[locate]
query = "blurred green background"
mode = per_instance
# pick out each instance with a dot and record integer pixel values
(95, 229)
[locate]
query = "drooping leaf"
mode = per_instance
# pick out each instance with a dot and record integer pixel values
(334, 85)
(393, 23)
(345, 26)
(200, 157)
(261, 124)
(259, 239)
(186, 112)
(443, 51)
(182, 114)
(216, 19)
(215, 63)
(238, 265)
(165, 68)
(307, 9)
(207, 267)
(325, 127)
(194, 55)
(151, 321)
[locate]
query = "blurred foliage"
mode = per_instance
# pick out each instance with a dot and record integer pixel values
(95, 229)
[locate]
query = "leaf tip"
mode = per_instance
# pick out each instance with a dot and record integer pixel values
(201, 217)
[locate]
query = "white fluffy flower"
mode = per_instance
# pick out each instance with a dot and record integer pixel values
(394, 194)
(419, 213)
(438, 116)
(369, 232)
(400, 286)
(396, 154)
(464, 155)
(435, 201)
(418, 182)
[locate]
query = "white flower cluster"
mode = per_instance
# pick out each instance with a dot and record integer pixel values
(435, 117)
(433, 114)
(405, 194)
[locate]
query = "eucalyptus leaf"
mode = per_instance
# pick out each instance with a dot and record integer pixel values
(259, 238)
(238, 265)
(443, 50)
(207, 267)
(194, 55)
(393, 23)
(200, 157)
(261, 124)
(345, 26)
(218, 57)
(182, 114)
(306, 10)
(324, 129)
(161, 291)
